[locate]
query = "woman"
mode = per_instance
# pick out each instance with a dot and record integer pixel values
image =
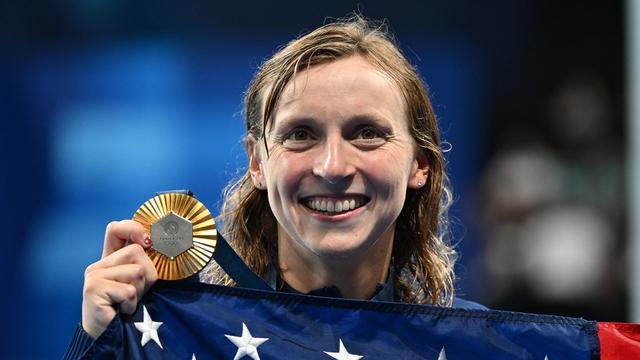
(345, 194)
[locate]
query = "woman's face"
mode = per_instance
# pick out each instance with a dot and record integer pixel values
(340, 161)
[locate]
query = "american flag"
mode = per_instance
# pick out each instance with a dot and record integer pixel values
(188, 320)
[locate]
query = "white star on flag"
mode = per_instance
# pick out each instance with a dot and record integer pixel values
(443, 355)
(148, 328)
(343, 354)
(247, 344)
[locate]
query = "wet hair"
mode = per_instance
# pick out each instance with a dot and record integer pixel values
(422, 259)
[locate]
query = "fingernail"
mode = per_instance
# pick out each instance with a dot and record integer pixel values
(147, 239)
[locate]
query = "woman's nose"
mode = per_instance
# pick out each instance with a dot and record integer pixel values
(333, 163)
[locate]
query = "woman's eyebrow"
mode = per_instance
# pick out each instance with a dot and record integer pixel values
(375, 118)
(371, 119)
(289, 122)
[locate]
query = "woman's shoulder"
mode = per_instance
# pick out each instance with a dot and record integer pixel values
(459, 303)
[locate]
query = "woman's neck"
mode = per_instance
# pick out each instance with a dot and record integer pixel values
(356, 275)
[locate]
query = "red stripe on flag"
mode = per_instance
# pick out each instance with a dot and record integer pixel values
(619, 340)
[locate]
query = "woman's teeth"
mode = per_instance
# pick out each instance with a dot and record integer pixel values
(334, 206)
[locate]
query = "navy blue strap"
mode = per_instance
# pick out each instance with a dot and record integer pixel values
(233, 265)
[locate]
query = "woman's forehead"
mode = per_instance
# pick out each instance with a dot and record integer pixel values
(342, 75)
(348, 85)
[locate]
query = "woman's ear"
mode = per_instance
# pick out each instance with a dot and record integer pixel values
(255, 163)
(419, 171)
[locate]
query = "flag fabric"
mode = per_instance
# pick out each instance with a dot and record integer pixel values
(619, 340)
(188, 320)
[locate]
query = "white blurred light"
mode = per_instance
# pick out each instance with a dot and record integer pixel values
(525, 177)
(565, 252)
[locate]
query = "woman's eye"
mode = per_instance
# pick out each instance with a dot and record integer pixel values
(298, 139)
(369, 137)
(368, 134)
(298, 135)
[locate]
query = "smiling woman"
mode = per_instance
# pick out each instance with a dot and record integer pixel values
(346, 186)
(340, 135)
(345, 193)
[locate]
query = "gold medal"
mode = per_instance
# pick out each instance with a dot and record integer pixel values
(183, 233)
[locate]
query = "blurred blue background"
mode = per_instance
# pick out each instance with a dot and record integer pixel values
(105, 102)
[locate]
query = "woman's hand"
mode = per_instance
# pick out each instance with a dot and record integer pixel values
(119, 279)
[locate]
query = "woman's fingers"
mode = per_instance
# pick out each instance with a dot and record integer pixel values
(133, 274)
(125, 296)
(119, 232)
(117, 281)
(101, 299)
(132, 254)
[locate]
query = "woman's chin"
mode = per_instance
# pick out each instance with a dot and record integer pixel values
(340, 251)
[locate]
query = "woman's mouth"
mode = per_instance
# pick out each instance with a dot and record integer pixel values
(334, 205)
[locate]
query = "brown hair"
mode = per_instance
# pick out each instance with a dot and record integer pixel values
(423, 260)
